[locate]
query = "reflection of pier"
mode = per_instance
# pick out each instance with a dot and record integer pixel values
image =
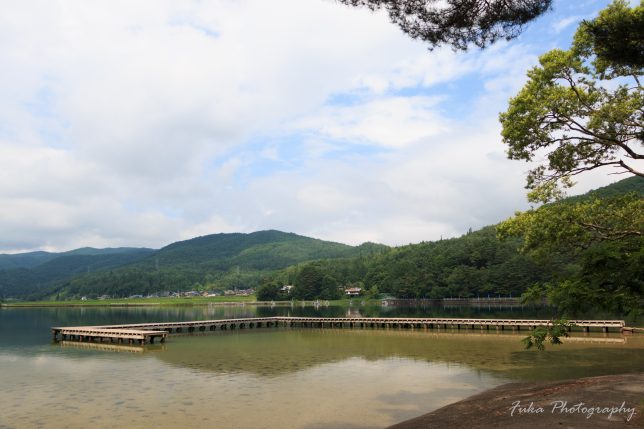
(147, 332)
(499, 302)
(442, 323)
(110, 347)
(492, 335)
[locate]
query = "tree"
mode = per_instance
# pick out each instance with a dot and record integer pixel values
(313, 283)
(459, 23)
(576, 226)
(604, 238)
(269, 291)
(616, 36)
(580, 109)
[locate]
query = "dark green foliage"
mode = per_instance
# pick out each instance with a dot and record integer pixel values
(616, 36)
(474, 264)
(580, 110)
(270, 291)
(313, 283)
(263, 250)
(610, 277)
(25, 260)
(459, 23)
(213, 262)
(34, 281)
(542, 334)
(600, 235)
(634, 185)
(478, 264)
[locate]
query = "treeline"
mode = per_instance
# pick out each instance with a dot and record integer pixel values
(476, 264)
(141, 281)
(216, 262)
(582, 254)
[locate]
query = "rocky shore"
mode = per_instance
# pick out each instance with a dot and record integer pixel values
(613, 401)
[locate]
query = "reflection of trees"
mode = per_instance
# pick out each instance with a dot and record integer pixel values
(272, 352)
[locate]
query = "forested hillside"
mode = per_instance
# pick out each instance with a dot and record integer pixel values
(212, 262)
(38, 272)
(475, 264)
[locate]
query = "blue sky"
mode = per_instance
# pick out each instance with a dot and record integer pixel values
(142, 123)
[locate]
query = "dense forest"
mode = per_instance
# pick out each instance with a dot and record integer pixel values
(475, 264)
(214, 262)
(481, 264)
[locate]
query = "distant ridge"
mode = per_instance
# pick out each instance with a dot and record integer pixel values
(239, 260)
(176, 266)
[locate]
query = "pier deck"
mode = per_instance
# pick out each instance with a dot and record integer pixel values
(144, 333)
(95, 333)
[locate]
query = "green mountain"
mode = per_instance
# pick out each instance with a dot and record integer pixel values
(218, 261)
(25, 260)
(475, 264)
(258, 250)
(34, 273)
(632, 184)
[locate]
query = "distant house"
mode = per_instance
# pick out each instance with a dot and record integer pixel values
(353, 291)
(287, 288)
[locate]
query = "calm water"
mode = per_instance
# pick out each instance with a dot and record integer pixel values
(272, 378)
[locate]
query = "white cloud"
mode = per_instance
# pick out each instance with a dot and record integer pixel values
(140, 123)
(392, 122)
(566, 22)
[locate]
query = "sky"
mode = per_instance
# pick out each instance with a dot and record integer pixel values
(142, 123)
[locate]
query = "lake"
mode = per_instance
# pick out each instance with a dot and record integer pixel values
(272, 378)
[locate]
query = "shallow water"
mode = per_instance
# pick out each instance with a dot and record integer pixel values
(268, 378)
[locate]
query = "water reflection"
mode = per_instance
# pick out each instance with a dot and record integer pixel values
(271, 352)
(270, 378)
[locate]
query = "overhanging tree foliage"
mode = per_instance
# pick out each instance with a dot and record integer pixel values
(616, 36)
(459, 23)
(579, 110)
(583, 109)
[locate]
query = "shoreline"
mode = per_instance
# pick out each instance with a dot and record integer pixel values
(610, 401)
(199, 303)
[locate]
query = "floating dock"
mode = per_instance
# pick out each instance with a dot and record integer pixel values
(101, 334)
(146, 333)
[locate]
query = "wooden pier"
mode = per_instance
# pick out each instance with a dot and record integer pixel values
(146, 333)
(100, 334)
